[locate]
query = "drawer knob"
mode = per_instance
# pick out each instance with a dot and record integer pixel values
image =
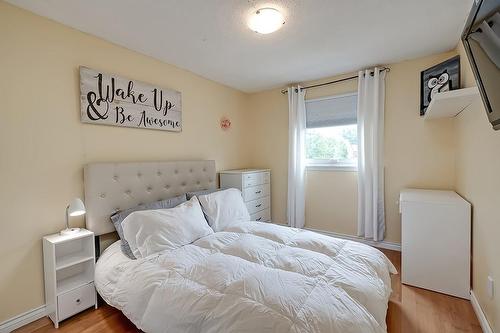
(260, 218)
(258, 192)
(257, 206)
(78, 301)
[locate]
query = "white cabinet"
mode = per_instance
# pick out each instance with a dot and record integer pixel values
(436, 241)
(68, 264)
(255, 186)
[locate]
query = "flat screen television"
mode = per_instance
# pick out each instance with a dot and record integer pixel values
(481, 38)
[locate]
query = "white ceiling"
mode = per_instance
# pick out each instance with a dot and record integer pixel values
(321, 38)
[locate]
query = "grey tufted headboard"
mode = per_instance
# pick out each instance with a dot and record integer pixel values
(115, 186)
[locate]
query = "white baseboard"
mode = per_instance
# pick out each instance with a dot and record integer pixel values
(382, 244)
(23, 319)
(485, 326)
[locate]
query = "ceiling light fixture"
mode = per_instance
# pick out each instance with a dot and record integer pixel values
(266, 20)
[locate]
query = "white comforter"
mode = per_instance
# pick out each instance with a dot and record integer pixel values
(253, 277)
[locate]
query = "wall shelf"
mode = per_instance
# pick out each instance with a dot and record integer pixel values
(448, 104)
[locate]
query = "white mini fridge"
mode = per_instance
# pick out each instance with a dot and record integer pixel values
(435, 234)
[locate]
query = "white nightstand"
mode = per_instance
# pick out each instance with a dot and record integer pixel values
(68, 264)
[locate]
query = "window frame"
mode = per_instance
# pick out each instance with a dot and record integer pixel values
(330, 165)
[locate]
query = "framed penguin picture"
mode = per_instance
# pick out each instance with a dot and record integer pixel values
(439, 78)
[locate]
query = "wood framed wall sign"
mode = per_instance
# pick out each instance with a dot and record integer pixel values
(108, 99)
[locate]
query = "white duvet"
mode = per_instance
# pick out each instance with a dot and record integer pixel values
(252, 277)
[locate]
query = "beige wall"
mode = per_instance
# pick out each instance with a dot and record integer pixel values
(44, 146)
(267, 146)
(477, 180)
(417, 153)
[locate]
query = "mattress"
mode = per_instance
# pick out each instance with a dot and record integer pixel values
(252, 277)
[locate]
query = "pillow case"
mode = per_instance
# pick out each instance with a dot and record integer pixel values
(118, 217)
(224, 208)
(151, 231)
(189, 195)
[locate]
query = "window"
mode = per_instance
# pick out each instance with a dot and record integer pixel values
(331, 132)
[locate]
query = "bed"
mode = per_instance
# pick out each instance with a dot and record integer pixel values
(250, 277)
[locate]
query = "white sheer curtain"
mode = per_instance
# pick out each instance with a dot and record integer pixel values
(296, 157)
(371, 96)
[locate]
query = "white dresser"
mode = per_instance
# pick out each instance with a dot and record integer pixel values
(255, 185)
(435, 241)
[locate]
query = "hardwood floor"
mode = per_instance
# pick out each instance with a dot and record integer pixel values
(104, 319)
(416, 310)
(411, 310)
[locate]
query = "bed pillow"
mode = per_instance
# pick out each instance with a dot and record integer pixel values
(153, 231)
(118, 217)
(224, 208)
(189, 195)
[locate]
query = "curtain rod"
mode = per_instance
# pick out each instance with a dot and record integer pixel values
(284, 91)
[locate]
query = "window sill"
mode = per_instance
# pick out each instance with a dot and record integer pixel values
(329, 167)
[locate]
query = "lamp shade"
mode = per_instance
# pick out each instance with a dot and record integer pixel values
(76, 207)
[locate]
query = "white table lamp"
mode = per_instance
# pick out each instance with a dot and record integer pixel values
(75, 208)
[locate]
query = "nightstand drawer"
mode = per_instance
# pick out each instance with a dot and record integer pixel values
(255, 192)
(75, 301)
(257, 178)
(262, 216)
(256, 205)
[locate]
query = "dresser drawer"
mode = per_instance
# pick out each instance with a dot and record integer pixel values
(262, 216)
(254, 179)
(75, 301)
(255, 205)
(255, 192)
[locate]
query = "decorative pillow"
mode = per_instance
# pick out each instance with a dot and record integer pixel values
(224, 208)
(189, 195)
(118, 217)
(152, 231)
